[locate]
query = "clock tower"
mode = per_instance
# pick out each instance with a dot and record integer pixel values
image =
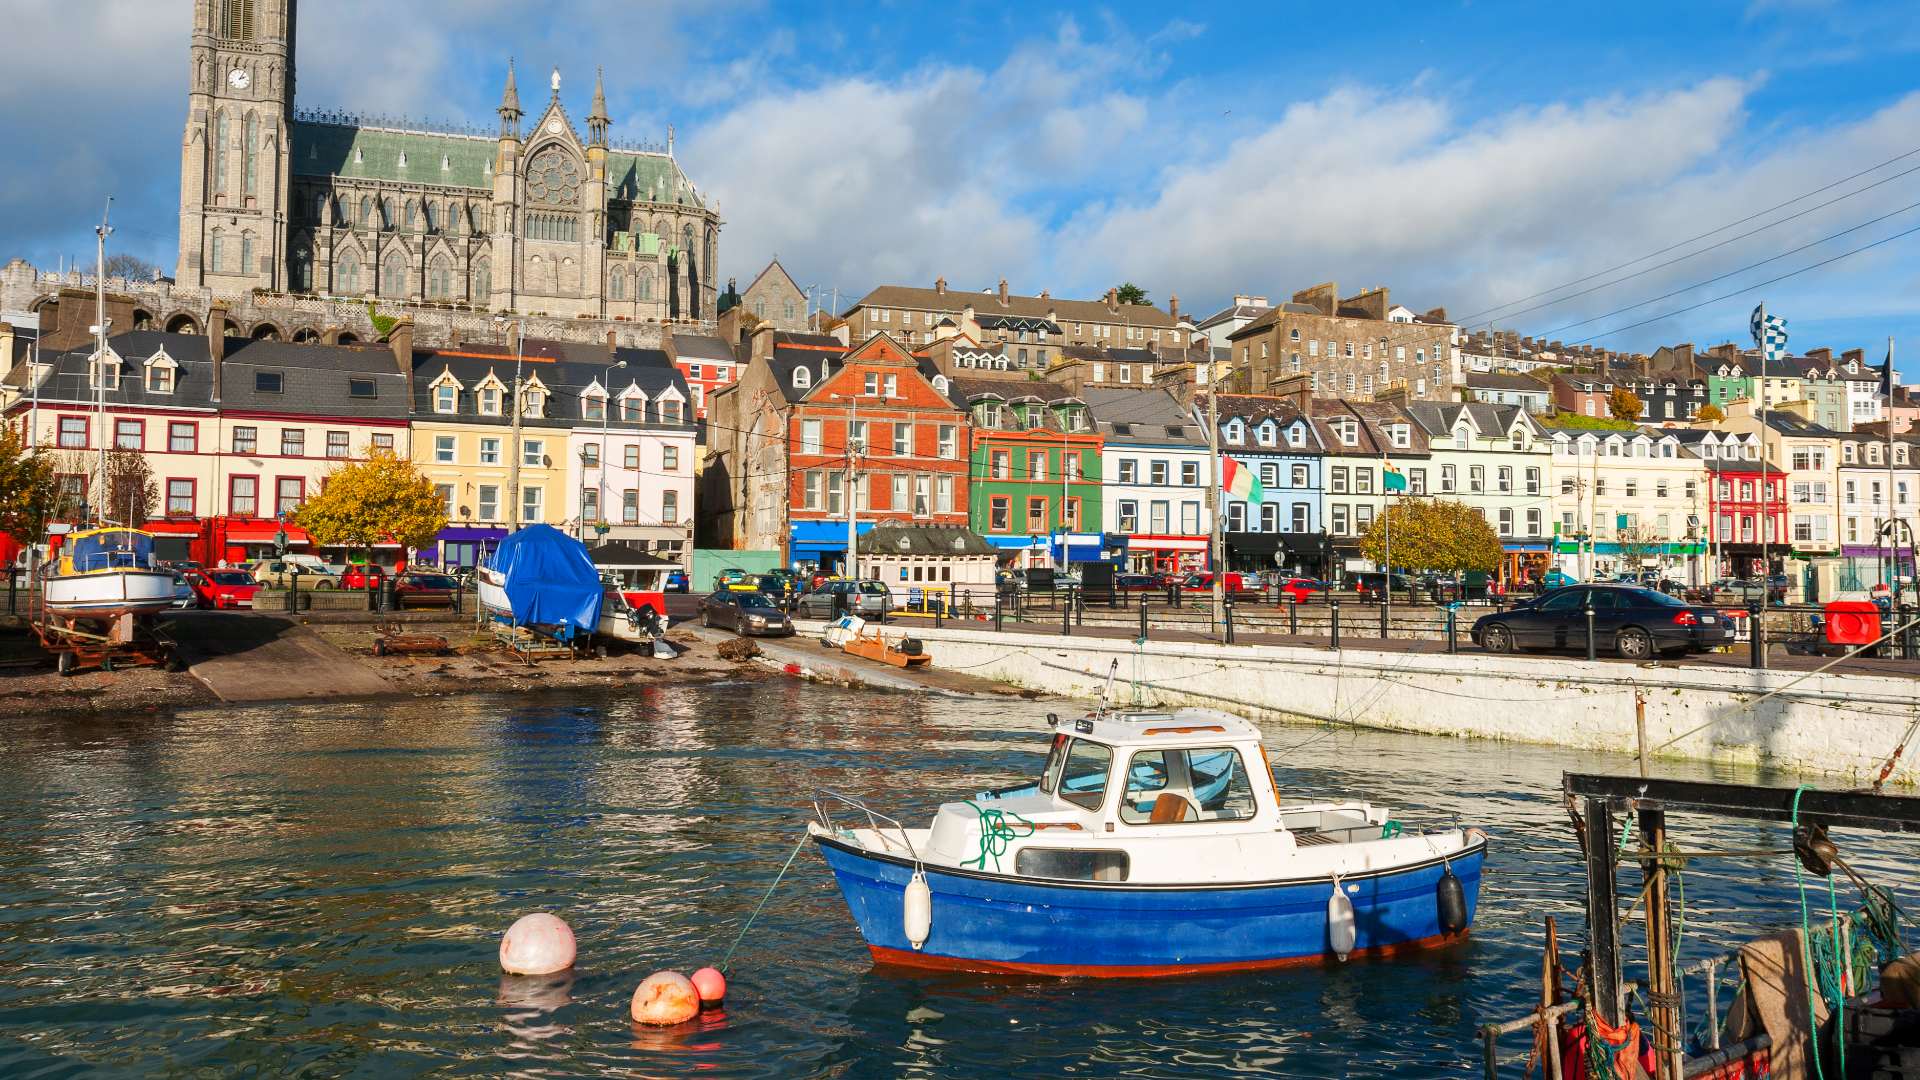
(234, 159)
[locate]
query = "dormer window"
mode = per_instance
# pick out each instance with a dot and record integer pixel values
(670, 411)
(1349, 433)
(802, 378)
(446, 398)
(535, 404)
(489, 398)
(1236, 432)
(1401, 435)
(104, 373)
(1267, 434)
(593, 406)
(1296, 436)
(633, 405)
(160, 378)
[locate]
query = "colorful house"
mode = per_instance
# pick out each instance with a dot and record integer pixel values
(1036, 471)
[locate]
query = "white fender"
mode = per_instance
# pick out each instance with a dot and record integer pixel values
(916, 911)
(1340, 928)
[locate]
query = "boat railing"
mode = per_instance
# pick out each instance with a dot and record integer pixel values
(874, 818)
(1567, 1013)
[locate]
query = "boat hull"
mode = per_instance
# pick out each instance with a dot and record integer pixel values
(997, 923)
(108, 594)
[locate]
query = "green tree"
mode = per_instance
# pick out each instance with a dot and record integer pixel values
(29, 492)
(380, 499)
(1623, 404)
(1130, 293)
(1433, 534)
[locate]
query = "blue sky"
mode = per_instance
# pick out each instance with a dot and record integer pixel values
(1466, 155)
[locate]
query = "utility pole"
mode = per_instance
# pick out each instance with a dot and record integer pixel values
(513, 463)
(1890, 567)
(1217, 540)
(852, 568)
(101, 495)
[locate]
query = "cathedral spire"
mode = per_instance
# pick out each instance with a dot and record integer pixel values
(510, 105)
(597, 119)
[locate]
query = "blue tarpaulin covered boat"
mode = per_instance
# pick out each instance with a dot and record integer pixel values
(543, 579)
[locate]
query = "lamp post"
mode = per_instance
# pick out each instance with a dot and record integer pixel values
(513, 463)
(606, 409)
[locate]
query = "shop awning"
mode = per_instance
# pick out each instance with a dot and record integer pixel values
(1137, 542)
(1015, 543)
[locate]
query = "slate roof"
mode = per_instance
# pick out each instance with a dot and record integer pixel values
(702, 347)
(889, 539)
(1145, 417)
(315, 380)
(566, 370)
(1371, 416)
(1234, 311)
(988, 303)
(1439, 417)
(1500, 380)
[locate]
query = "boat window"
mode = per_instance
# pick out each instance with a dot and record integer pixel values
(1165, 787)
(1056, 757)
(1084, 780)
(1071, 864)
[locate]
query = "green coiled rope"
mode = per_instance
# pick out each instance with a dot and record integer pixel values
(996, 834)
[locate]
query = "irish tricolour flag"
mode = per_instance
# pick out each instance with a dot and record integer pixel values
(1241, 482)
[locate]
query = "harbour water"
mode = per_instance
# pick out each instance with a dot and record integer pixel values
(320, 892)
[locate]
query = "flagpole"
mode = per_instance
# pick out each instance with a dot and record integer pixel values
(1889, 567)
(1216, 501)
(1766, 566)
(1386, 515)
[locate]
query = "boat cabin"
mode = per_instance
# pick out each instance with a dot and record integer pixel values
(640, 577)
(95, 550)
(1146, 796)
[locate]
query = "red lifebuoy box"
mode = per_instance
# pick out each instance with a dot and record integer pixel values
(1852, 622)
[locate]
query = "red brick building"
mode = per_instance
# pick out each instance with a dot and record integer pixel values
(1747, 509)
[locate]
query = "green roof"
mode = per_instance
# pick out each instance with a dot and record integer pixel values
(367, 153)
(631, 175)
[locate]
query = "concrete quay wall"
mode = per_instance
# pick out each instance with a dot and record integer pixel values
(1832, 725)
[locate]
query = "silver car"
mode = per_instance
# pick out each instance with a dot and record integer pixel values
(750, 613)
(867, 599)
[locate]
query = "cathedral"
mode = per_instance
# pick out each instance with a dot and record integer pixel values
(536, 220)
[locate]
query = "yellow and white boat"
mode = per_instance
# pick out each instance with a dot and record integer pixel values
(106, 573)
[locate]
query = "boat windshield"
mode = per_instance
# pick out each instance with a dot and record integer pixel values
(1169, 786)
(1083, 781)
(110, 548)
(1056, 757)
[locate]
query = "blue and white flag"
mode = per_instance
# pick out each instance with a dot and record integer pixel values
(1769, 334)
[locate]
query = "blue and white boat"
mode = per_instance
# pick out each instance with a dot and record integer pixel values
(1153, 844)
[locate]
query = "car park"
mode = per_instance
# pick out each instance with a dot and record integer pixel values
(838, 596)
(220, 590)
(1632, 622)
(748, 612)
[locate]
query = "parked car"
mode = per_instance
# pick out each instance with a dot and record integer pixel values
(1629, 621)
(677, 581)
(744, 612)
(867, 599)
(280, 574)
(1232, 581)
(362, 576)
(1369, 583)
(1302, 589)
(1557, 579)
(733, 578)
(417, 588)
(219, 590)
(183, 595)
(1137, 583)
(780, 588)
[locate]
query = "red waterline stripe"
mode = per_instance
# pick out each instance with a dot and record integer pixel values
(927, 961)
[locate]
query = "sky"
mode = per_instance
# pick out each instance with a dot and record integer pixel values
(1541, 168)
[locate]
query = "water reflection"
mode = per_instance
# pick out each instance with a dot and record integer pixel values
(323, 888)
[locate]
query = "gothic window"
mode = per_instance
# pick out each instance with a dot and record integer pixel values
(236, 19)
(553, 178)
(251, 153)
(686, 238)
(246, 253)
(432, 217)
(789, 307)
(439, 279)
(366, 211)
(760, 309)
(320, 207)
(346, 275)
(302, 272)
(393, 275)
(709, 260)
(617, 286)
(216, 252)
(643, 284)
(413, 215)
(482, 279)
(387, 218)
(221, 134)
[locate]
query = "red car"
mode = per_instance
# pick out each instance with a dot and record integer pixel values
(221, 589)
(1301, 589)
(357, 576)
(425, 590)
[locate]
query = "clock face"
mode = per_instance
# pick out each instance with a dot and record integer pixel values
(238, 79)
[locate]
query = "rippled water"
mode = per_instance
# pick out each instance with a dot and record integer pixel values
(320, 891)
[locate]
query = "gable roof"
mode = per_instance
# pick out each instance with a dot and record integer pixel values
(1146, 417)
(988, 303)
(779, 274)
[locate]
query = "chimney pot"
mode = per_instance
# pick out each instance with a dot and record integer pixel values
(216, 342)
(1003, 292)
(940, 285)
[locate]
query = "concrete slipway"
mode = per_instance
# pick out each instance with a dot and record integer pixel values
(1829, 724)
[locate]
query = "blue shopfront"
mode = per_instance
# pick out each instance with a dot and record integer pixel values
(821, 544)
(1061, 550)
(466, 545)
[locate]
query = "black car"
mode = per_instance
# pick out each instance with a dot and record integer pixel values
(745, 612)
(1628, 620)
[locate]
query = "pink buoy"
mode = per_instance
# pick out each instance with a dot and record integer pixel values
(712, 986)
(538, 944)
(665, 997)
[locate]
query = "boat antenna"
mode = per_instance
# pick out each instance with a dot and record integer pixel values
(1112, 670)
(102, 497)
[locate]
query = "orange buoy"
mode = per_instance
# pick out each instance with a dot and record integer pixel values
(712, 986)
(665, 997)
(537, 944)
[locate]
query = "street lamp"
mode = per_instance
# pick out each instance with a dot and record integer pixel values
(513, 463)
(606, 409)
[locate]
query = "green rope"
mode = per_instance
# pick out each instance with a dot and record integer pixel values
(996, 836)
(1816, 981)
(737, 938)
(1391, 829)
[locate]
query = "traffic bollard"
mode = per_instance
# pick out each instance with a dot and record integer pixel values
(1906, 632)
(999, 608)
(1066, 618)
(1229, 611)
(1143, 617)
(1453, 626)
(1333, 613)
(1078, 600)
(1383, 622)
(1757, 648)
(1591, 655)
(939, 609)
(1293, 615)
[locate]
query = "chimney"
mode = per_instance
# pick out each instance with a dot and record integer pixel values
(1823, 355)
(671, 347)
(400, 340)
(1322, 297)
(1046, 296)
(613, 341)
(1003, 292)
(1173, 306)
(6, 345)
(216, 342)
(940, 285)
(762, 346)
(1296, 390)
(1113, 299)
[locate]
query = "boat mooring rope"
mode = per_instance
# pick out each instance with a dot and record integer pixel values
(1828, 978)
(737, 938)
(996, 836)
